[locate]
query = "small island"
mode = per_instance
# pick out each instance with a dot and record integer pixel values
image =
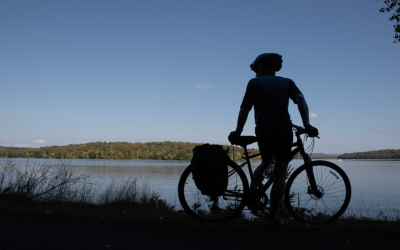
(377, 154)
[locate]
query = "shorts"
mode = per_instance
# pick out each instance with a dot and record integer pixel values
(275, 141)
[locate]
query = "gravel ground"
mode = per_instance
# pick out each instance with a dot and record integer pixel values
(37, 231)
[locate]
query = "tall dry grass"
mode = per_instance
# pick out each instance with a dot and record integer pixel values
(39, 182)
(62, 185)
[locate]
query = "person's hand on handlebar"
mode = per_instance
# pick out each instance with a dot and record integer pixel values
(311, 131)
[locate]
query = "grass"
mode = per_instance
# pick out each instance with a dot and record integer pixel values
(60, 190)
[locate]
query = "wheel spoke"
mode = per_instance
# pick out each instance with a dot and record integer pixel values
(331, 181)
(204, 207)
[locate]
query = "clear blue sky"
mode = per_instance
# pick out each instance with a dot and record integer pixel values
(138, 71)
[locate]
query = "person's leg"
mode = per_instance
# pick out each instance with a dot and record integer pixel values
(278, 188)
(282, 159)
(267, 152)
(258, 172)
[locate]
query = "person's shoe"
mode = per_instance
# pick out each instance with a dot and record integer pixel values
(278, 222)
(251, 199)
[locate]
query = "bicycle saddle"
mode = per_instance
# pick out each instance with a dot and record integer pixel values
(243, 141)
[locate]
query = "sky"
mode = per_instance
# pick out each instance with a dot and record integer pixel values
(78, 71)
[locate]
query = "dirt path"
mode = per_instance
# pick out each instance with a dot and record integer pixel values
(35, 231)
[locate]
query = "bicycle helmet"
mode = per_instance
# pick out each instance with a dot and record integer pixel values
(270, 60)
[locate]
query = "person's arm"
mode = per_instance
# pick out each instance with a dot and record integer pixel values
(245, 107)
(303, 109)
(299, 99)
(243, 114)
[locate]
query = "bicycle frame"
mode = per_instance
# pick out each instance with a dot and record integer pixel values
(299, 147)
(302, 199)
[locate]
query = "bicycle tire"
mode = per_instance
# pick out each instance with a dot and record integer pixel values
(305, 207)
(214, 209)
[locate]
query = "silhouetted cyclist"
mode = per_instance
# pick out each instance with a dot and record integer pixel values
(269, 94)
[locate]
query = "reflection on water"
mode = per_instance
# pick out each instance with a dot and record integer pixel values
(374, 182)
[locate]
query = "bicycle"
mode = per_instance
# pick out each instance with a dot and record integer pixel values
(317, 192)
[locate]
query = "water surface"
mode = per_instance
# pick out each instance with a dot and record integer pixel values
(375, 184)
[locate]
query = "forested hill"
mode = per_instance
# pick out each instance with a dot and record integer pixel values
(156, 150)
(115, 150)
(323, 156)
(378, 154)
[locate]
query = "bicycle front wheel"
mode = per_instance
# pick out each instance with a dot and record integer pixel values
(213, 208)
(331, 181)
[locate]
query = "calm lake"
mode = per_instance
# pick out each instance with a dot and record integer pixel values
(375, 183)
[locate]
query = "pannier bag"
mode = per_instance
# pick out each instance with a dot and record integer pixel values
(210, 169)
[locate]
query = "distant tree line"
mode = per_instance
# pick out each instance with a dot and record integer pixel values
(323, 156)
(116, 150)
(157, 151)
(378, 154)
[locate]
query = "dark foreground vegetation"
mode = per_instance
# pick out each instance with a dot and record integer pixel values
(60, 191)
(41, 231)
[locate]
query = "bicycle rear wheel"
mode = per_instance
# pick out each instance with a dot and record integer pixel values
(331, 181)
(218, 208)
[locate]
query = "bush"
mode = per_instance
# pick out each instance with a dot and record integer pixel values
(40, 182)
(62, 183)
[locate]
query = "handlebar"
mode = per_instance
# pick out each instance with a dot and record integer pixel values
(301, 130)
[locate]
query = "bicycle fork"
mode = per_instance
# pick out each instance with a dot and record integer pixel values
(312, 189)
